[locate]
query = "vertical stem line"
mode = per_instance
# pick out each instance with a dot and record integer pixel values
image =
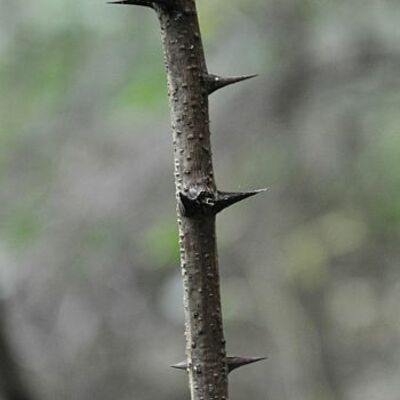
(188, 98)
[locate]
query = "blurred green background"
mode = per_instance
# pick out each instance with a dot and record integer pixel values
(89, 276)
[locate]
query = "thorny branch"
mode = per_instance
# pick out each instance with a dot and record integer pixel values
(198, 200)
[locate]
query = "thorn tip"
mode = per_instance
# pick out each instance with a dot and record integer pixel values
(215, 82)
(181, 365)
(237, 362)
(226, 199)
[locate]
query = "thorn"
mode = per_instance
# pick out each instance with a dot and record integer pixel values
(237, 362)
(227, 199)
(215, 82)
(182, 365)
(206, 203)
(232, 362)
(144, 3)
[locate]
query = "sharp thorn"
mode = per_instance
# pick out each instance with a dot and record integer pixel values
(227, 199)
(181, 365)
(215, 82)
(232, 362)
(237, 362)
(144, 3)
(206, 203)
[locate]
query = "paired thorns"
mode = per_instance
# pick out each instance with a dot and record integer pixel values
(231, 362)
(215, 82)
(206, 203)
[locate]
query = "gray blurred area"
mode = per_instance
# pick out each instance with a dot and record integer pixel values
(90, 286)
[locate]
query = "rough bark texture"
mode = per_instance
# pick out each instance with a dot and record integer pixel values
(198, 200)
(194, 178)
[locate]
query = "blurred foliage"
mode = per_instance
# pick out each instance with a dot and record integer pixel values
(89, 254)
(160, 244)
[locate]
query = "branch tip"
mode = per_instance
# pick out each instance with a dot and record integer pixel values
(215, 82)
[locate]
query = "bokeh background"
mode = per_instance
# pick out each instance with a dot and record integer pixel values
(89, 279)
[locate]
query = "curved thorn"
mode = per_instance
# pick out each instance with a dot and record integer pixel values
(215, 82)
(227, 199)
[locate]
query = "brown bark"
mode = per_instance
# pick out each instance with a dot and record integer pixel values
(198, 201)
(194, 177)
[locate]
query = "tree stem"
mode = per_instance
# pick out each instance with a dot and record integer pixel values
(194, 178)
(198, 200)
